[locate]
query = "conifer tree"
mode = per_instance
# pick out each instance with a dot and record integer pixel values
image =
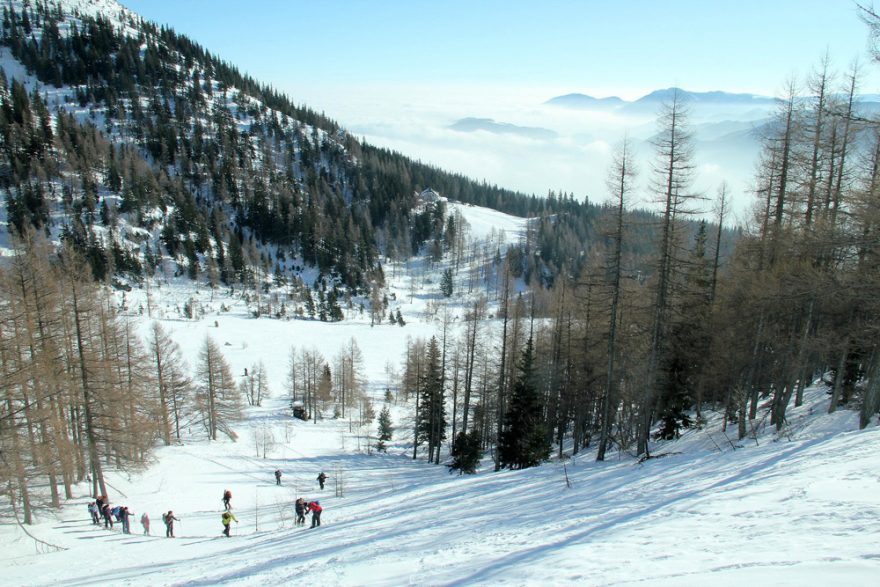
(219, 398)
(255, 385)
(431, 424)
(689, 337)
(325, 385)
(620, 180)
(334, 311)
(174, 387)
(467, 451)
(446, 283)
(386, 430)
(523, 442)
(310, 303)
(673, 173)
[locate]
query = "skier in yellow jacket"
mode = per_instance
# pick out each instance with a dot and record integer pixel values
(228, 518)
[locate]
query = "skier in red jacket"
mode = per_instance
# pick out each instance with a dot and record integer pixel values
(316, 509)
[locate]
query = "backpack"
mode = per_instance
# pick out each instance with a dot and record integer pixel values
(165, 518)
(227, 494)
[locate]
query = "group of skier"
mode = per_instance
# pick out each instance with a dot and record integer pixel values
(100, 508)
(227, 517)
(302, 506)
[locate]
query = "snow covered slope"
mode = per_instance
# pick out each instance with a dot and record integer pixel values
(483, 221)
(800, 509)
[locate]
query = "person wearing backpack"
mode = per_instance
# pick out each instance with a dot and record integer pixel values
(277, 476)
(316, 509)
(145, 522)
(300, 507)
(227, 496)
(227, 519)
(108, 517)
(93, 510)
(321, 478)
(169, 523)
(124, 515)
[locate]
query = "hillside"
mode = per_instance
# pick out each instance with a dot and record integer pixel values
(142, 149)
(148, 154)
(793, 509)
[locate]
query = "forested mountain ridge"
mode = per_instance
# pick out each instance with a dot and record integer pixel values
(135, 145)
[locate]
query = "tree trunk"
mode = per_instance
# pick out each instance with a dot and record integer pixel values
(501, 374)
(416, 419)
(871, 400)
(605, 424)
(838, 378)
(89, 422)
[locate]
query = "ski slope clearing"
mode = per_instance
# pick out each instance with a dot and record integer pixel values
(799, 509)
(483, 222)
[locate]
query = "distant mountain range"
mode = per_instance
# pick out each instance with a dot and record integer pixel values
(647, 104)
(650, 101)
(715, 97)
(583, 101)
(489, 125)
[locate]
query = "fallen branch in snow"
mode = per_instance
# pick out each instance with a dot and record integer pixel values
(661, 455)
(38, 544)
(755, 429)
(732, 445)
(713, 440)
(117, 490)
(792, 428)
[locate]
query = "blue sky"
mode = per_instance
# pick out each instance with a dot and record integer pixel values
(601, 47)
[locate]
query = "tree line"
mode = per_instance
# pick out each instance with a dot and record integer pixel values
(632, 350)
(82, 390)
